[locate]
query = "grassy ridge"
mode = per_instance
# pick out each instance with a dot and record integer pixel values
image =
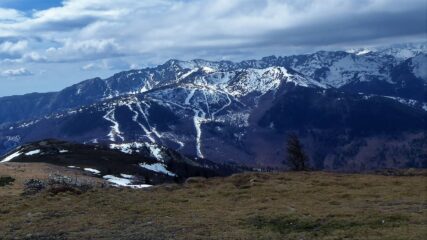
(244, 206)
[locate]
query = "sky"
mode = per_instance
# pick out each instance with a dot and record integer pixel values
(46, 45)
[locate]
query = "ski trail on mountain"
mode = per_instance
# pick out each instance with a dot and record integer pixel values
(189, 97)
(199, 114)
(223, 107)
(175, 139)
(115, 129)
(187, 74)
(135, 119)
(198, 121)
(207, 104)
(153, 130)
(145, 116)
(197, 124)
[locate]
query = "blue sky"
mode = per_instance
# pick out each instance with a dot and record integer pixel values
(46, 45)
(29, 5)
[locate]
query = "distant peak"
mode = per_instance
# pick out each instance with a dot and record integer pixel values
(359, 51)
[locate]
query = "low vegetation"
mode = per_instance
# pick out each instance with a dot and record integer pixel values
(6, 180)
(291, 205)
(32, 178)
(57, 183)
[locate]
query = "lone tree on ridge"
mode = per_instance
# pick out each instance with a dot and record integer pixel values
(296, 157)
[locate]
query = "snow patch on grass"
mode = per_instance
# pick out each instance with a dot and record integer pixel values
(155, 151)
(130, 148)
(127, 148)
(157, 167)
(126, 176)
(33, 152)
(94, 171)
(123, 182)
(11, 156)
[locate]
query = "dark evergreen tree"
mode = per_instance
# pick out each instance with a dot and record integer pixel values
(296, 157)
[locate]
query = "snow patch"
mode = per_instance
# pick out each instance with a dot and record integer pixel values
(208, 69)
(419, 64)
(11, 156)
(264, 80)
(408, 102)
(33, 152)
(129, 148)
(94, 171)
(185, 75)
(123, 182)
(189, 97)
(359, 52)
(197, 124)
(363, 52)
(127, 176)
(155, 151)
(157, 167)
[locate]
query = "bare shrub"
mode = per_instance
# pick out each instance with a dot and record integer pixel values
(57, 183)
(33, 186)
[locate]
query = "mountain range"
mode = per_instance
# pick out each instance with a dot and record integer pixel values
(353, 110)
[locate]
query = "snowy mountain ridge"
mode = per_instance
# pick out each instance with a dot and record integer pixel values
(334, 69)
(235, 111)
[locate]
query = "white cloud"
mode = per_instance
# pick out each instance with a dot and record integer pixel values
(98, 29)
(83, 50)
(16, 72)
(10, 15)
(32, 57)
(109, 64)
(8, 48)
(90, 66)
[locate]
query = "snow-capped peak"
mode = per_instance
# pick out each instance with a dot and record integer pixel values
(264, 80)
(208, 69)
(360, 51)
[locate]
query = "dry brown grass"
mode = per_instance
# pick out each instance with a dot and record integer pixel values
(24, 171)
(313, 205)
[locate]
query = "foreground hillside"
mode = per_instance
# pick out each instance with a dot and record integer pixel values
(21, 172)
(128, 164)
(314, 205)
